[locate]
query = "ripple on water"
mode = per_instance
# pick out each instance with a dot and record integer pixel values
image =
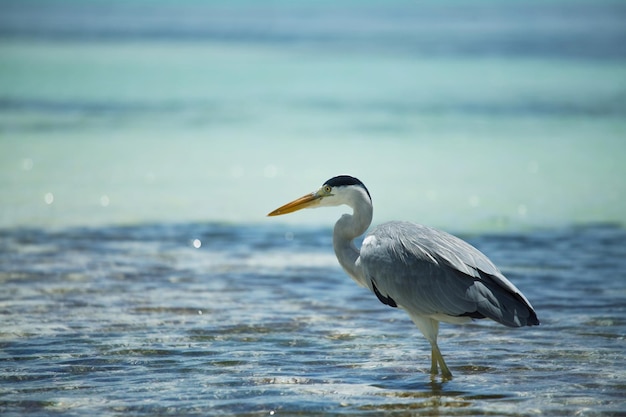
(162, 327)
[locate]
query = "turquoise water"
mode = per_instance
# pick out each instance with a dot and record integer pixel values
(218, 112)
(143, 143)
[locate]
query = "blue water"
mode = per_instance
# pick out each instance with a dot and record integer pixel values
(142, 144)
(259, 319)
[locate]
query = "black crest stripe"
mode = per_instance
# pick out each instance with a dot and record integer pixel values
(346, 180)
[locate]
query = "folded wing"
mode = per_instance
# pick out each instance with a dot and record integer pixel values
(432, 273)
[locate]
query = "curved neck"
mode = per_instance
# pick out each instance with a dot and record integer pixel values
(347, 228)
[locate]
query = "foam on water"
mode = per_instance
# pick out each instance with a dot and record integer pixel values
(139, 321)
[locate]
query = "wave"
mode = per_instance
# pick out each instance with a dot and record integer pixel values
(589, 30)
(76, 114)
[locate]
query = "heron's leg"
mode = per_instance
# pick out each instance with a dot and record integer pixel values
(433, 362)
(438, 358)
(430, 328)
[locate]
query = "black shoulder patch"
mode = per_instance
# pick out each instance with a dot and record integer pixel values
(344, 180)
(385, 300)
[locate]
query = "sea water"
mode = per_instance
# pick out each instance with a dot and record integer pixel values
(207, 319)
(483, 117)
(142, 144)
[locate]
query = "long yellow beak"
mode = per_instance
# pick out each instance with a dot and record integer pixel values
(298, 204)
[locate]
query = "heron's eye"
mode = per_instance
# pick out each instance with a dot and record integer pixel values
(327, 189)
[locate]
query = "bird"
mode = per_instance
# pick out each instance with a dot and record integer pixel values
(430, 274)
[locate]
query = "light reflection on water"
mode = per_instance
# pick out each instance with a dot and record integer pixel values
(141, 321)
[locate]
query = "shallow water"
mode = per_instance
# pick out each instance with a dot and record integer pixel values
(209, 319)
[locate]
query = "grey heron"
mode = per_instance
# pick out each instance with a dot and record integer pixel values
(432, 275)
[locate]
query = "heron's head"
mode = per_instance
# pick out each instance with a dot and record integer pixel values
(343, 189)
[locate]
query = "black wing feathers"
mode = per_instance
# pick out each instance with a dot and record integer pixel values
(385, 300)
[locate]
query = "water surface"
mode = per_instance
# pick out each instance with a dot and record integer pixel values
(206, 319)
(490, 116)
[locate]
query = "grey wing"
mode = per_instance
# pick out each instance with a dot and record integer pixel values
(432, 273)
